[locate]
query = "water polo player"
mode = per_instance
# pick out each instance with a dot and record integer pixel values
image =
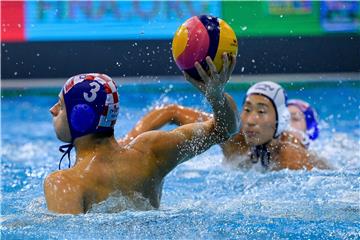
(262, 138)
(304, 123)
(84, 117)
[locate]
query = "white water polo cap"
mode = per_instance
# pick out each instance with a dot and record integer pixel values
(277, 95)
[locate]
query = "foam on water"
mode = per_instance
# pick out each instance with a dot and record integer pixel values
(117, 202)
(202, 198)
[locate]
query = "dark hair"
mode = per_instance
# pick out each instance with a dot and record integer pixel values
(104, 134)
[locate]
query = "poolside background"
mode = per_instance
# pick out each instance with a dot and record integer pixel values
(57, 39)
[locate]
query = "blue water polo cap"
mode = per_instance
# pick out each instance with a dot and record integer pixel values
(310, 115)
(92, 104)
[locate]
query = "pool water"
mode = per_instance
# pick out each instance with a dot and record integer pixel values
(202, 198)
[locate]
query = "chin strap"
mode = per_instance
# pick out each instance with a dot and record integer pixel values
(66, 149)
(260, 152)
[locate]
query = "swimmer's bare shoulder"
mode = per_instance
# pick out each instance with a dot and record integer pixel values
(288, 137)
(292, 145)
(75, 190)
(63, 193)
(139, 154)
(292, 154)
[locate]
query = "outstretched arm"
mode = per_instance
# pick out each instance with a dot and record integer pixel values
(174, 147)
(225, 118)
(163, 115)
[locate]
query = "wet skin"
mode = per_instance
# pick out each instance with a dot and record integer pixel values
(258, 126)
(138, 167)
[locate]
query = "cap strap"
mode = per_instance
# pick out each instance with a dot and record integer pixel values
(66, 149)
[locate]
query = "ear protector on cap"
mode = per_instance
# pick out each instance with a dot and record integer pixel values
(82, 117)
(92, 105)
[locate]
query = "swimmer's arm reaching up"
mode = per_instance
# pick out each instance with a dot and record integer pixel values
(171, 148)
(161, 116)
(173, 113)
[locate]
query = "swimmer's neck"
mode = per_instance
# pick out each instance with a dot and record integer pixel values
(270, 145)
(88, 145)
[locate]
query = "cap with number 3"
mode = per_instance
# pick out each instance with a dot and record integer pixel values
(92, 103)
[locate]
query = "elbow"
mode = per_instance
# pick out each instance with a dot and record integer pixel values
(172, 109)
(175, 112)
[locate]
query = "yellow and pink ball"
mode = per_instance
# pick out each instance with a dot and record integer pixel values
(202, 36)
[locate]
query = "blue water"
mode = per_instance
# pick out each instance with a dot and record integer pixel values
(202, 198)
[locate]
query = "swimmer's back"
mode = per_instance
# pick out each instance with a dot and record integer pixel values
(127, 170)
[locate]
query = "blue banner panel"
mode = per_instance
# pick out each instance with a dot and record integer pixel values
(110, 20)
(340, 16)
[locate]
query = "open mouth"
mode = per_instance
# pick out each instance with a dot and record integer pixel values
(251, 134)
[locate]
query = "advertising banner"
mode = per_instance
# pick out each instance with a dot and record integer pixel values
(340, 16)
(102, 20)
(144, 20)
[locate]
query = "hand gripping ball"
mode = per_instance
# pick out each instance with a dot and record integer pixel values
(202, 36)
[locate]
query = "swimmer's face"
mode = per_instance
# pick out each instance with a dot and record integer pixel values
(58, 111)
(258, 118)
(297, 118)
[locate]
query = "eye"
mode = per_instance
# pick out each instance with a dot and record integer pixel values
(246, 109)
(261, 111)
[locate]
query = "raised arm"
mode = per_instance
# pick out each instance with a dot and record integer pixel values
(160, 116)
(181, 144)
(225, 119)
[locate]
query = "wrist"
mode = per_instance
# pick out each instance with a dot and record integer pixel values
(216, 98)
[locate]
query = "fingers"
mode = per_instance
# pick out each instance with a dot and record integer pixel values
(225, 67)
(204, 76)
(232, 64)
(211, 65)
(228, 65)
